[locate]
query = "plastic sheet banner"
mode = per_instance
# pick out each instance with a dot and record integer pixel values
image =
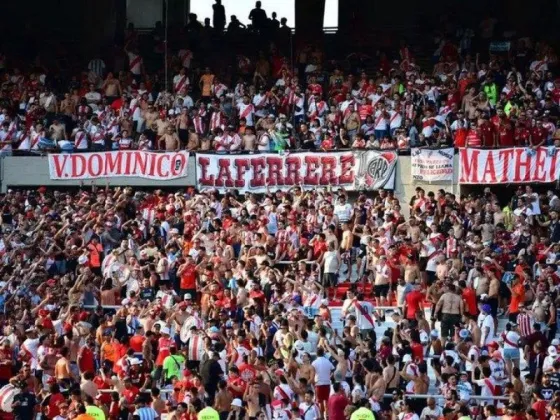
(353, 170)
(124, 163)
(432, 165)
(508, 166)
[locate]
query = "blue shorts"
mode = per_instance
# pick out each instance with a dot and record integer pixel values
(511, 354)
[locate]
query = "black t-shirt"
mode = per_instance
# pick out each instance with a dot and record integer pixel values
(554, 380)
(547, 392)
(554, 229)
(147, 293)
(26, 407)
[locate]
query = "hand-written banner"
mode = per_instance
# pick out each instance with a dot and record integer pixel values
(129, 163)
(432, 165)
(511, 165)
(253, 173)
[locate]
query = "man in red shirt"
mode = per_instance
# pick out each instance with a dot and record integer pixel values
(521, 134)
(499, 118)
(187, 274)
(137, 340)
(337, 403)
(469, 298)
(412, 302)
(488, 132)
(505, 133)
(319, 243)
(130, 391)
(6, 355)
(539, 134)
(86, 357)
(236, 384)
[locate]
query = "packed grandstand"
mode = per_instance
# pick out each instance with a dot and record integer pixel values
(288, 281)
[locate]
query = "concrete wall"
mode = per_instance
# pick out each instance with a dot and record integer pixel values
(34, 171)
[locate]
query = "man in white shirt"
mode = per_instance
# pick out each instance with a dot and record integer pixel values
(431, 410)
(308, 409)
(532, 200)
(323, 368)
(93, 97)
(343, 210)
(486, 325)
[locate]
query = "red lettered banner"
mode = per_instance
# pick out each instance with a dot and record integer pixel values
(511, 165)
(252, 173)
(126, 163)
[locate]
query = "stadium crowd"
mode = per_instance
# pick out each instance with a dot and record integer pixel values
(267, 102)
(298, 304)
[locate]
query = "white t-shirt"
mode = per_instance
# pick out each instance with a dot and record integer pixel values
(309, 411)
(362, 320)
(497, 367)
(511, 337)
(484, 389)
(435, 412)
(331, 261)
(408, 416)
(323, 368)
(486, 321)
(465, 391)
(343, 212)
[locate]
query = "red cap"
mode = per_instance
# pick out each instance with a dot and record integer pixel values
(48, 324)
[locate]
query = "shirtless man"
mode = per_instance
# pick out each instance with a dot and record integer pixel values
(249, 139)
(346, 247)
(441, 268)
(67, 105)
(451, 307)
(377, 384)
(57, 130)
(205, 143)
(493, 293)
(411, 271)
(150, 115)
(182, 123)
(125, 123)
(306, 370)
(169, 141)
(112, 87)
(412, 229)
(223, 399)
(179, 317)
(193, 142)
(472, 325)
(266, 123)
(381, 274)
(62, 371)
(252, 398)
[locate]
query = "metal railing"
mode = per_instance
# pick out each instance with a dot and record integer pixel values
(438, 396)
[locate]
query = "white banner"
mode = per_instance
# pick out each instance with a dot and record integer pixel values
(511, 165)
(129, 163)
(431, 165)
(353, 170)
